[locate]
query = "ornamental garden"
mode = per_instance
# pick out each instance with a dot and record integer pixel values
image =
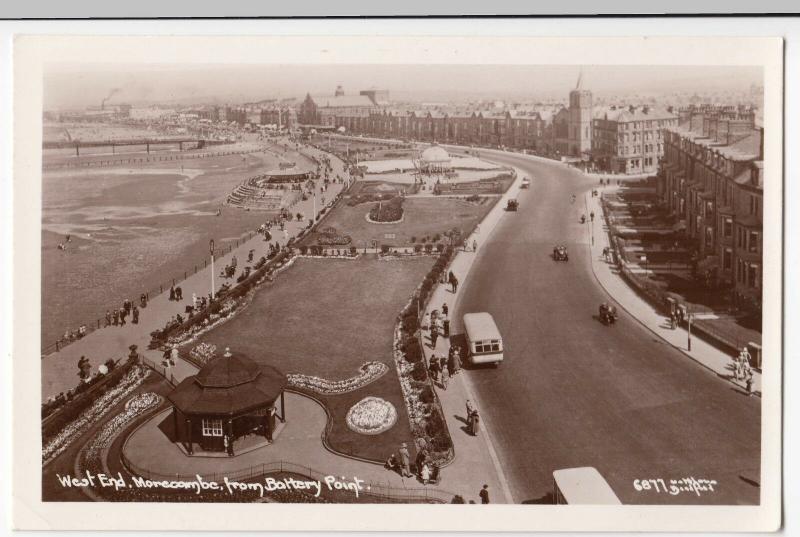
(336, 311)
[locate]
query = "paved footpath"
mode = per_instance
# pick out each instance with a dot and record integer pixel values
(476, 461)
(60, 369)
(606, 273)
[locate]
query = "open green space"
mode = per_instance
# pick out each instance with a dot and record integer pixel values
(424, 218)
(327, 318)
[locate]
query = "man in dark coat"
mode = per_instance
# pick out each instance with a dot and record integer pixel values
(484, 494)
(405, 460)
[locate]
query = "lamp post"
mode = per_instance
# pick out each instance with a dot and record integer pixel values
(689, 330)
(211, 249)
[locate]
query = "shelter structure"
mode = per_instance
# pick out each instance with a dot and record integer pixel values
(435, 160)
(231, 404)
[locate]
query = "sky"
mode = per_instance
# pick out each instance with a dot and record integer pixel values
(78, 86)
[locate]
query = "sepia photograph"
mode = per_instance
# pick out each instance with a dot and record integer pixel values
(407, 282)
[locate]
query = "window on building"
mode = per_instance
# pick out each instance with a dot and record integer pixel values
(752, 276)
(212, 427)
(727, 227)
(752, 241)
(727, 258)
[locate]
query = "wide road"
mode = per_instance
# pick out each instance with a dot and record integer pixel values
(573, 392)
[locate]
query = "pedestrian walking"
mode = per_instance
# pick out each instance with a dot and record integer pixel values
(455, 361)
(749, 384)
(434, 334)
(172, 292)
(178, 293)
(433, 368)
(484, 494)
(745, 355)
(135, 315)
(445, 309)
(108, 318)
(122, 315)
(470, 408)
(115, 322)
(405, 460)
(445, 377)
(425, 474)
(474, 423)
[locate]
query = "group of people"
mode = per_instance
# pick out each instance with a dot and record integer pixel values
(426, 470)
(473, 419)
(676, 317)
(118, 316)
(443, 368)
(175, 293)
(742, 370)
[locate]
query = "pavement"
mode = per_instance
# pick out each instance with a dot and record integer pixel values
(60, 369)
(607, 274)
(476, 461)
(573, 392)
(151, 450)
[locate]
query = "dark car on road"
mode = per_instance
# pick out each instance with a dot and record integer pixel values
(512, 205)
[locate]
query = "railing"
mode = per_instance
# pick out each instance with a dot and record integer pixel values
(369, 488)
(160, 369)
(100, 322)
(143, 160)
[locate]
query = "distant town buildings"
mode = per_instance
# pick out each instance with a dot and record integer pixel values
(712, 180)
(624, 140)
(630, 140)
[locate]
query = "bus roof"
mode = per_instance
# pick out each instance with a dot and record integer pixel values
(480, 326)
(584, 485)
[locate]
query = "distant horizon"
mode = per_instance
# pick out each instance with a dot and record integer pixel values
(81, 86)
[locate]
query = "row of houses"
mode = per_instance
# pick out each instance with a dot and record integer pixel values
(712, 181)
(621, 140)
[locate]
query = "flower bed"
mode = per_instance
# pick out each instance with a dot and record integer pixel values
(389, 212)
(371, 415)
(368, 372)
(91, 457)
(331, 237)
(76, 428)
(424, 410)
(203, 353)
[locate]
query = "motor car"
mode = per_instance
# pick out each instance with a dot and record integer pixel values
(526, 182)
(512, 205)
(560, 253)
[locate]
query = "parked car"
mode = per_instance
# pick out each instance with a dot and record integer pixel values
(526, 182)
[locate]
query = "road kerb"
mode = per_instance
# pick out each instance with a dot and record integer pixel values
(646, 325)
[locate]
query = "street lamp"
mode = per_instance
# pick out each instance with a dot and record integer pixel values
(689, 330)
(211, 248)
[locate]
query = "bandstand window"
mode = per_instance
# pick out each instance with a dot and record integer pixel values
(212, 427)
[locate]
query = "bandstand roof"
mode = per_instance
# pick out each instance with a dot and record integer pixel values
(228, 385)
(434, 154)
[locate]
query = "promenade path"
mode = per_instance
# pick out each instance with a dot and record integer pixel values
(607, 274)
(60, 369)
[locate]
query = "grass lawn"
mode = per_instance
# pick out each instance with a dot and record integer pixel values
(422, 217)
(326, 318)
